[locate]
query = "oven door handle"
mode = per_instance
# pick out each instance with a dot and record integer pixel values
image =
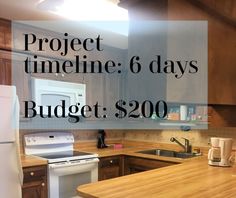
(73, 163)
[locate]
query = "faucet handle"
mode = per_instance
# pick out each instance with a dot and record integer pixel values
(185, 139)
(187, 145)
(172, 139)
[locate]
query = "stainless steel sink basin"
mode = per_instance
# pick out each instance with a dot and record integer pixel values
(168, 153)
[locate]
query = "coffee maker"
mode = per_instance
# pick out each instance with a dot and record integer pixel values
(220, 153)
(101, 139)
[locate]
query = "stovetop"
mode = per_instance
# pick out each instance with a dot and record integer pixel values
(55, 147)
(63, 154)
(66, 156)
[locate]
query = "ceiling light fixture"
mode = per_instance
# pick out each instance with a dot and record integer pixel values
(85, 10)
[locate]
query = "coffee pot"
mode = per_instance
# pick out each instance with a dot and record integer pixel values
(220, 153)
(101, 139)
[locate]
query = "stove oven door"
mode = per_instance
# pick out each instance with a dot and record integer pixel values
(65, 177)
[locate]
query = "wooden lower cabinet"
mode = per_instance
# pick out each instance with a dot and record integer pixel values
(137, 164)
(110, 167)
(35, 182)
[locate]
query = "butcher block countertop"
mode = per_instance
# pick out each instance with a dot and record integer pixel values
(131, 149)
(28, 161)
(194, 178)
(108, 152)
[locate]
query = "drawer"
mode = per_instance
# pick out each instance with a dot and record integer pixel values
(137, 164)
(109, 161)
(34, 173)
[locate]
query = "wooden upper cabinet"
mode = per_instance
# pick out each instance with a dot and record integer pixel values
(5, 57)
(221, 116)
(221, 17)
(221, 45)
(146, 10)
(5, 34)
(5, 68)
(224, 9)
(21, 80)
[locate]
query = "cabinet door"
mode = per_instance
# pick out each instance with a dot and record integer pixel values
(109, 173)
(42, 70)
(34, 189)
(73, 77)
(136, 164)
(221, 45)
(110, 167)
(21, 80)
(187, 44)
(112, 93)
(35, 182)
(5, 34)
(145, 10)
(5, 67)
(95, 89)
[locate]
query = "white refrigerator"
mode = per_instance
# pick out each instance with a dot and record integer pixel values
(11, 175)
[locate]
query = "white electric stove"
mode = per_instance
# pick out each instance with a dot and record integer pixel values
(67, 168)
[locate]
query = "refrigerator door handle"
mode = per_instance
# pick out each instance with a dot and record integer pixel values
(17, 142)
(10, 142)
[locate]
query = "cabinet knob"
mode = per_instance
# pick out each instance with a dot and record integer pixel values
(43, 184)
(56, 74)
(32, 173)
(62, 75)
(111, 161)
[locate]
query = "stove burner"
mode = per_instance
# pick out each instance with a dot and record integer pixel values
(63, 154)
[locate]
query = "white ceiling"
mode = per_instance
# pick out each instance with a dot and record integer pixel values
(21, 10)
(27, 10)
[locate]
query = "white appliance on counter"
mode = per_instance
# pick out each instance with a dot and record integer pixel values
(220, 153)
(52, 92)
(11, 174)
(67, 168)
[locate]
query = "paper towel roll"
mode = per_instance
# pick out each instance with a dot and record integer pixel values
(183, 112)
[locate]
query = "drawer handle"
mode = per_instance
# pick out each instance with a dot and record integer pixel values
(43, 184)
(32, 173)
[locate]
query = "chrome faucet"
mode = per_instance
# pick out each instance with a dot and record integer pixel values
(186, 146)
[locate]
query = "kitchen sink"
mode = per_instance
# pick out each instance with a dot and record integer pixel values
(169, 153)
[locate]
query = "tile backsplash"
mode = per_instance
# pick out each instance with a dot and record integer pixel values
(196, 137)
(80, 135)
